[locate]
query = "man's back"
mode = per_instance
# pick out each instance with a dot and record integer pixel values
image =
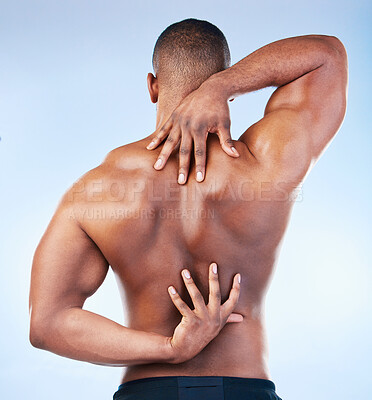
(149, 228)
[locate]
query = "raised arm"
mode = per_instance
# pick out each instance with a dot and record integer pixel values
(68, 267)
(308, 106)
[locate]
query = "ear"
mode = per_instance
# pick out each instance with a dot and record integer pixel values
(153, 87)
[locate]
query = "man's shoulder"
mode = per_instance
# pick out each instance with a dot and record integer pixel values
(128, 157)
(119, 166)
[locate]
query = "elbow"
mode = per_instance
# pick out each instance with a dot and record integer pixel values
(36, 339)
(337, 47)
(38, 334)
(330, 46)
(45, 330)
(335, 57)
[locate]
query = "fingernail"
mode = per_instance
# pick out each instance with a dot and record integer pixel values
(239, 278)
(181, 178)
(233, 149)
(214, 268)
(151, 144)
(158, 163)
(199, 176)
(186, 273)
(172, 289)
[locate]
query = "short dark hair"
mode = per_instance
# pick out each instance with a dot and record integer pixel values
(188, 52)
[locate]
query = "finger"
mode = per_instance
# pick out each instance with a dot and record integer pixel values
(233, 317)
(171, 142)
(194, 292)
(160, 134)
(214, 301)
(226, 141)
(182, 307)
(185, 155)
(200, 147)
(229, 305)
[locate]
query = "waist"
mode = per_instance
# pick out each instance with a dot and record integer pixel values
(239, 350)
(178, 382)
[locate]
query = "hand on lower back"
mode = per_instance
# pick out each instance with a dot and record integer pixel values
(199, 326)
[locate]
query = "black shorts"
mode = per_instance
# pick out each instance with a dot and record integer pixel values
(197, 387)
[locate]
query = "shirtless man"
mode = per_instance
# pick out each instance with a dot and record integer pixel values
(151, 229)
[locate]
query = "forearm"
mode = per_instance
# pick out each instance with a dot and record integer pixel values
(276, 64)
(86, 336)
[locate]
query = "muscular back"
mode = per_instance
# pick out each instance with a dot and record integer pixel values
(149, 228)
(139, 221)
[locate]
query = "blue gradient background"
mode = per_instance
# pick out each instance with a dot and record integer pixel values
(73, 87)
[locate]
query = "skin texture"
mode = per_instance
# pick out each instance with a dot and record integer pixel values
(149, 228)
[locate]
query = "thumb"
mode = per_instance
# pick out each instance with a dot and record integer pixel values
(233, 317)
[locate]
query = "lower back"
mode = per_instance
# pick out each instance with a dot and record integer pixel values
(166, 227)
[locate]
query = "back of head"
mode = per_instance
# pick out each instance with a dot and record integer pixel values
(189, 52)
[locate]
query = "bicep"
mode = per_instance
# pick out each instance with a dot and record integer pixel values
(67, 267)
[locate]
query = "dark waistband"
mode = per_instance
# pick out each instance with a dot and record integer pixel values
(183, 381)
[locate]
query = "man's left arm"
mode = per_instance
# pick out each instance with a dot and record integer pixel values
(67, 268)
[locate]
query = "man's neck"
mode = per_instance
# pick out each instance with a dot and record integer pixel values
(162, 116)
(167, 103)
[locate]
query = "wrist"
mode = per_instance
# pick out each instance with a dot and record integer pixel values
(169, 351)
(172, 354)
(218, 84)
